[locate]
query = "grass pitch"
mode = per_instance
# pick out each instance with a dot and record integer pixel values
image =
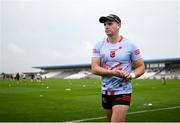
(70, 100)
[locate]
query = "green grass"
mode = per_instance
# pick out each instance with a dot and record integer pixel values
(49, 100)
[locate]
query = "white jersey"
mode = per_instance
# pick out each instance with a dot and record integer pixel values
(116, 56)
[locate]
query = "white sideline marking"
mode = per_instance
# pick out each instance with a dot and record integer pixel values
(136, 112)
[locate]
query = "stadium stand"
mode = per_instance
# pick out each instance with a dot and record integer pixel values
(155, 69)
(65, 73)
(51, 74)
(79, 75)
(149, 74)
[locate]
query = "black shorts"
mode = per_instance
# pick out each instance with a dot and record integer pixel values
(108, 101)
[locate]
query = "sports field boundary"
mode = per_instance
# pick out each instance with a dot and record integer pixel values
(136, 112)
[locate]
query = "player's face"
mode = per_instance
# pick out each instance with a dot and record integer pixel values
(111, 28)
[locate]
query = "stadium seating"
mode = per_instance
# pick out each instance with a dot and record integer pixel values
(51, 74)
(79, 75)
(148, 74)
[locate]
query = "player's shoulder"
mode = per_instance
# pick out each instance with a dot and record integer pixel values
(130, 44)
(128, 41)
(101, 42)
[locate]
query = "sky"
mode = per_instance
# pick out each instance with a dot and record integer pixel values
(62, 32)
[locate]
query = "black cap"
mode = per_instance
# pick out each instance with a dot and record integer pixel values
(110, 17)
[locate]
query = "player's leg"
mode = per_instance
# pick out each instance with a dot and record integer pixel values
(108, 114)
(120, 107)
(119, 113)
(107, 105)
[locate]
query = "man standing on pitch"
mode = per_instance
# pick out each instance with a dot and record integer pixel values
(118, 61)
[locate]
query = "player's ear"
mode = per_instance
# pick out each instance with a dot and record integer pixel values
(119, 25)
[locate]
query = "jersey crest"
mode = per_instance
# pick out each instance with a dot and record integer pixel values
(112, 53)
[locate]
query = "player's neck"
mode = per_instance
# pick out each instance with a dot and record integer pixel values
(113, 39)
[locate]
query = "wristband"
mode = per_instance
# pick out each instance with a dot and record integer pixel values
(133, 75)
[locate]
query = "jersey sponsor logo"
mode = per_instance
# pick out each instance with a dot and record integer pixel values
(112, 53)
(137, 52)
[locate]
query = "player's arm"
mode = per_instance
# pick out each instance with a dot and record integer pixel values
(139, 68)
(98, 70)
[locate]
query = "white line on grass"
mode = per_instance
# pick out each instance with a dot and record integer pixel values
(136, 112)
